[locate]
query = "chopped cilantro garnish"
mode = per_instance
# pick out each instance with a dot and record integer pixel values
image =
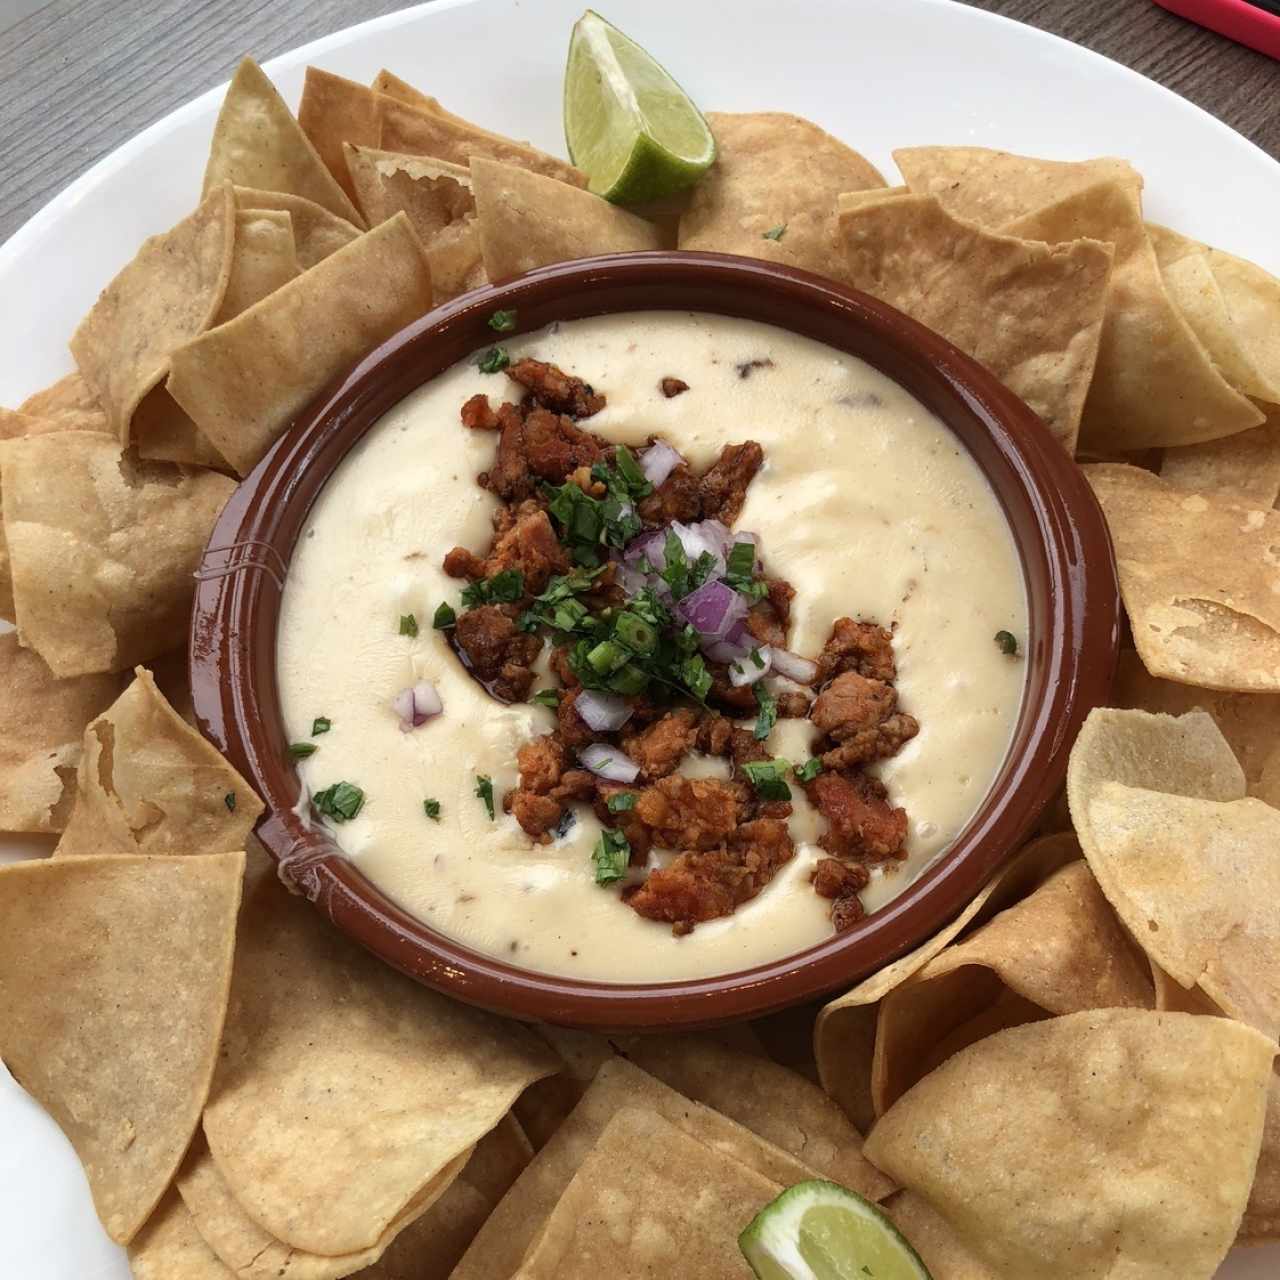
(503, 588)
(622, 802)
(610, 856)
(408, 624)
(1007, 643)
(695, 677)
(809, 770)
(444, 616)
(484, 790)
(494, 360)
(681, 576)
(301, 750)
(502, 321)
(321, 724)
(547, 698)
(768, 715)
(341, 802)
(769, 778)
(742, 559)
(556, 606)
(775, 233)
(230, 801)
(757, 659)
(432, 809)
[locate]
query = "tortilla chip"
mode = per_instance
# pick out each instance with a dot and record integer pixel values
(773, 170)
(779, 1105)
(1250, 722)
(787, 1038)
(169, 1246)
(649, 1200)
(257, 143)
(42, 722)
(935, 1240)
(263, 261)
(543, 1107)
(149, 783)
(1262, 1213)
(1154, 383)
(1061, 950)
(15, 425)
(1200, 580)
(527, 220)
(70, 403)
(167, 295)
(244, 382)
(1100, 1144)
(344, 1091)
(102, 560)
(844, 1035)
(430, 1248)
(316, 232)
(446, 137)
(992, 188)
(334, 111)
(436, 196)
(518, 1219)
(389, 83)
(118, 1037)
(1253, 300)
(1242, 468)
(1031, 313)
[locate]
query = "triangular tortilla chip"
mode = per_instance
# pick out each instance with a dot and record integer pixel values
(103, 561)
(169, 293)
(1200, 579)
(674, 1207)
(149, 783)
(389, 83)
(169, 1246)
(345, 1091)
(771, 192)
(257, 143)
(118, 1036)
(527, 220)
(316, 232)
(1111, 1143)
(70, 403)
(446, 137)
(1031, 313)
(1242, 468)
(1253, 300)
(244, 382)
(42, 722)
(1262, 1214)
(436, 197)
(335, 111)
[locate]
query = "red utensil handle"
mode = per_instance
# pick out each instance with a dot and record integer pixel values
(1238, 20)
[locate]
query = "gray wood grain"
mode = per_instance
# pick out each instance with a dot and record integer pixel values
(80, 77)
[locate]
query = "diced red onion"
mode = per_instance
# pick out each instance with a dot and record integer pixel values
(713, 609)
(707, 535)
(416, 705)
(648, 546)
(608, 762)
(723, 651)
(747, 671)
(794, 667)
(602, 712)
(658, 461)
(632, 581)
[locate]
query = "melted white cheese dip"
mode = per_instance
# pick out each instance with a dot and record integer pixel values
(866, 504)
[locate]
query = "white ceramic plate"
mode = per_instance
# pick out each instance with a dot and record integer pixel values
(879, 73)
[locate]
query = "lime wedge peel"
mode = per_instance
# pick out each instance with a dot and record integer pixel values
(629, 126)
(821, 1231)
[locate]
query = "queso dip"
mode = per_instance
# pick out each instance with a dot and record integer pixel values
(866, 504)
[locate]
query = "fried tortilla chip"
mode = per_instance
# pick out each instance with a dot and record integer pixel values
(345, 1092)
(316, 232)
(1061, 950)
(167, 295)
(1243, 468)
(42, 722)
(244, 382)
(102, 560)
(518, 1220)
(389, 83)
(335, 111)
(772, 190)
(263, 261)
(1031, 313)
(257, 143)
(1115, 1142)
(782, 1107)
(1200, 579)
(445, 137)
(436, 196)
(1253, 300)
(149, 783)
(844, 1036)
(527, 220)
(169, 1246)
(1250, 722)
(70, 403)
(935, 1240)
(992, 188)
(649, 1200)
(118, 1036)
(1262, 1213)
(1154, 383)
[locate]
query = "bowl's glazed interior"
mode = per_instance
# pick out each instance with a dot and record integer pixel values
(1069, 573)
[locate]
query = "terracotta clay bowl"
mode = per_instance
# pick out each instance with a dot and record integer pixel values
(1059, 530)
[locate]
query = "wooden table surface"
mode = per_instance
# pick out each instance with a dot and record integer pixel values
(80, 77)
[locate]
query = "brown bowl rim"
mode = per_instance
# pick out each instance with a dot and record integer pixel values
(1068, 567)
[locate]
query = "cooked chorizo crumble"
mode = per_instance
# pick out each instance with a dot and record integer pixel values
(667, 637)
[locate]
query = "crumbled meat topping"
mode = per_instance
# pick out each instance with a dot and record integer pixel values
(672, 387)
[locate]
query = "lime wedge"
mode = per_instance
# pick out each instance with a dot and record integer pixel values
(820, 1231)
(629, 126)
